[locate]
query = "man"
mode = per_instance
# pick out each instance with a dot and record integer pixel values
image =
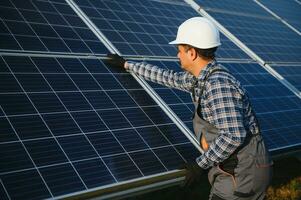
(224, 121)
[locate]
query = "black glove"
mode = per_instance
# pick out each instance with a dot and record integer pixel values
(193, 173)
(115, 60)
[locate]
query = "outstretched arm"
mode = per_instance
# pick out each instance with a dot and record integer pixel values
(180, 80)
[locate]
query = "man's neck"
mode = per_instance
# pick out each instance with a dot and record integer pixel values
(198, 66)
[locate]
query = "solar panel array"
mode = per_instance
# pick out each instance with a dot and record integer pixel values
(45, 26)
(144, 28)
(290, 11)
(265, 35)
(71, 124)
(77, 125)
(277, 108)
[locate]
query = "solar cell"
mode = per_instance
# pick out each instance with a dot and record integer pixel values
(267, 36)
(145, 28)
(277, 108)
(290, 11)
(292, 73)
(35, 190)
(45, 26)
(77, 127)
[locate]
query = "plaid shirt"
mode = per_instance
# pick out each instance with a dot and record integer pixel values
(224, 104)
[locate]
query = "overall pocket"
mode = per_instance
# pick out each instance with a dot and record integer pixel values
(263, 171)
(253, 172)
(223, 183)
(244, 176)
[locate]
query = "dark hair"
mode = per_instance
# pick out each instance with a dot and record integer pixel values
(207, 54)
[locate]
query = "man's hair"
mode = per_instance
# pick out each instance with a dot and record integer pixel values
(207, 54)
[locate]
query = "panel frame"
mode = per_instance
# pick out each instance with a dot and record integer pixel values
(130, 188)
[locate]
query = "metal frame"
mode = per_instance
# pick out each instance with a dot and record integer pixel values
(47, 54)
(128, 188)
(298, 2)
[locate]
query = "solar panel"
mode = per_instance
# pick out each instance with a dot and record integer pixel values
(144, 28)
(267, 36)
(292, 73)
(290, 11)
(278, 109)
(68, 125)
(232, 6)
(45, 26)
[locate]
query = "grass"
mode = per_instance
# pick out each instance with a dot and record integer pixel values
(289, 191)
(286, 185)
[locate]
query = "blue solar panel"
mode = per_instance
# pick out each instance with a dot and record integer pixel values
(278, 109)
(267, 36)
(290, 11)
(291, 73)
(145, 27)
(243, 7)
(45, 26)
(72, 125)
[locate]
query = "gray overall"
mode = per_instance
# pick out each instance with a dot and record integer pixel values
(246, 174)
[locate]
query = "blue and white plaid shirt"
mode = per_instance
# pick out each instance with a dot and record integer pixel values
(224, 104)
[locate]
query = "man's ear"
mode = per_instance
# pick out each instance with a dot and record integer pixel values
(193, 54)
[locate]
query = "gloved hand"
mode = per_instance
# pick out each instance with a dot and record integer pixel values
(193, 173)
(115, 60)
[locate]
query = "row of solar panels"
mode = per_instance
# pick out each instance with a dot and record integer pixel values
(69, 124)
(145, 28)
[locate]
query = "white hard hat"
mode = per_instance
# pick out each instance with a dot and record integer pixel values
(198, 32)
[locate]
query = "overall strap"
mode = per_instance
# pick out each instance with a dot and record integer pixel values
(199, 110)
